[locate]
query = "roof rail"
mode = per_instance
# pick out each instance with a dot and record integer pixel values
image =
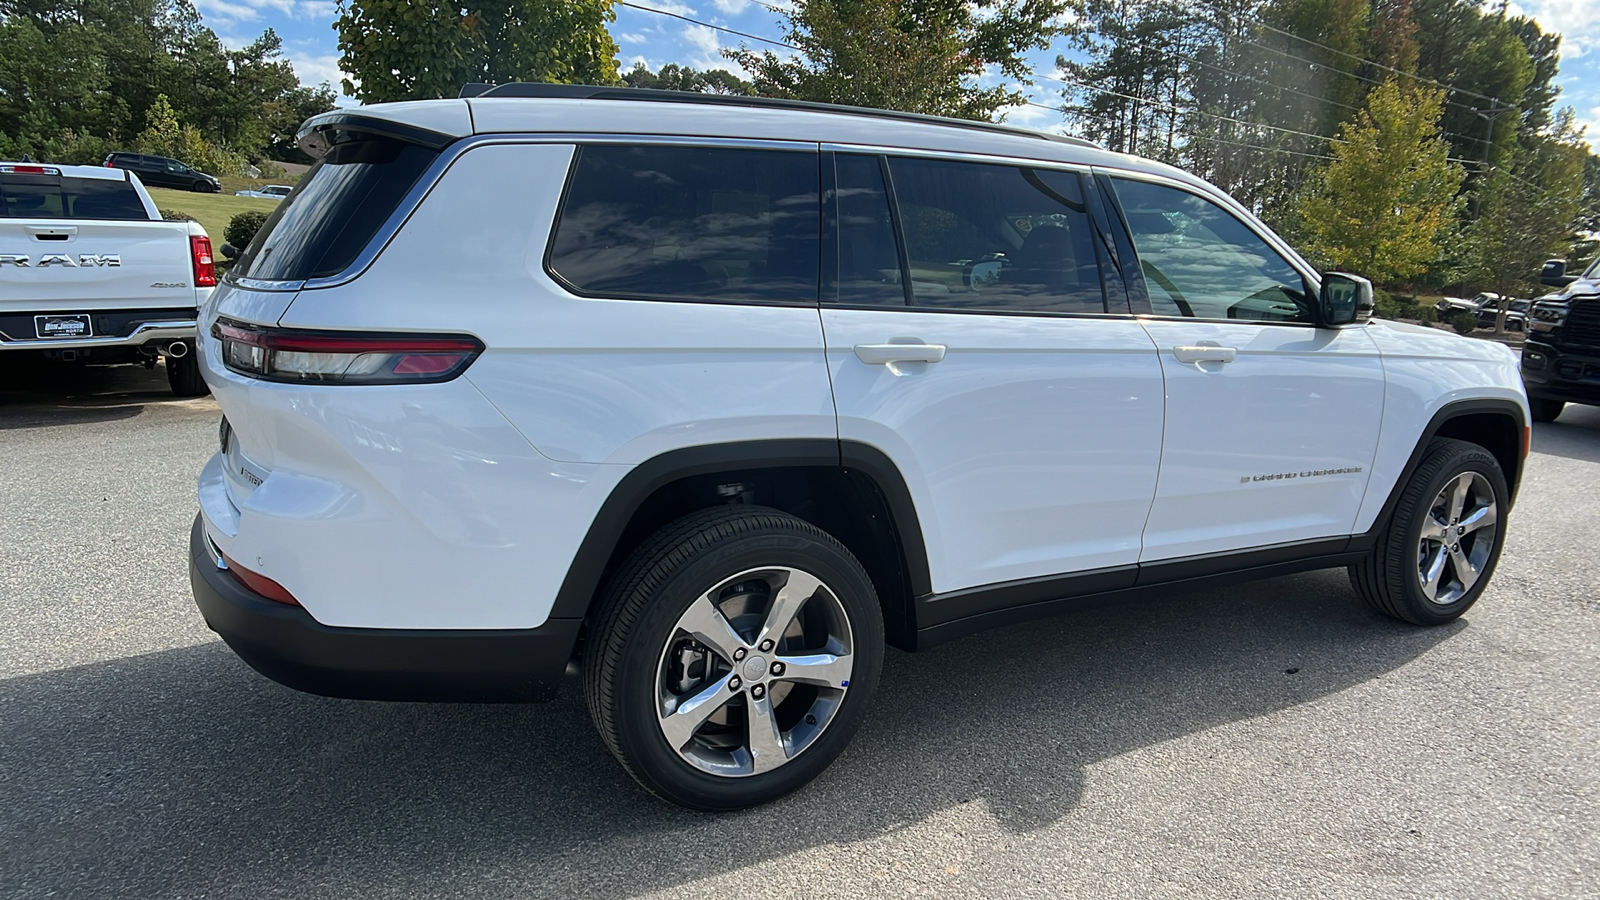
(539, 90)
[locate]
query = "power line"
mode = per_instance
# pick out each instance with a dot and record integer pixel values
(1280, 87)
(753, 37)
(1379, 65)
(1173, 109)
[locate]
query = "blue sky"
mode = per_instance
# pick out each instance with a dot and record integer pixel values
(306, 27)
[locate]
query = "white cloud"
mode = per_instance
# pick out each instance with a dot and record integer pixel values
(1578, 22)
(671, 6)
(631, 37)
(314, 69)
(251, 10)
(223, 9)
(704, 47)
(731, 7)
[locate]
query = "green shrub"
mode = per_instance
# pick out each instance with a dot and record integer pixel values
(1464, 322)
(172, 215)
(1426, 314)
(242, 228)
(1385, 306)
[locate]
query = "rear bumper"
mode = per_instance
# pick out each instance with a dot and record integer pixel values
(109, 328)
(1552, 374)
(287, 645)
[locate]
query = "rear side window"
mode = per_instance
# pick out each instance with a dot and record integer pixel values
(690, 223)
(58, 197)
(338, 207)
(995, 237)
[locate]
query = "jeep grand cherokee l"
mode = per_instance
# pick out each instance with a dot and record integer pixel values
(721, 395)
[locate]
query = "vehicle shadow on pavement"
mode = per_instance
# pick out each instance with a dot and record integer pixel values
(37, 394)
(1575, 435)
(182, 773)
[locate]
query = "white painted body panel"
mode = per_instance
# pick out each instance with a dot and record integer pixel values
(1293, 400)
(1425, 370)
(1030, 449)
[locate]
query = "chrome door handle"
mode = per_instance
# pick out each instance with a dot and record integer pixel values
(1209, 353)
(883, 354)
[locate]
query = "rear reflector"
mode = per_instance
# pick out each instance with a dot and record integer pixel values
(205, 268)
(323, 357)
(260, 584)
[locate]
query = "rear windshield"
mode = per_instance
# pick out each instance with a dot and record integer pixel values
(59, 197)
(334, 212)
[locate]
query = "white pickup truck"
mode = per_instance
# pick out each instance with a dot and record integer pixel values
(90, 272)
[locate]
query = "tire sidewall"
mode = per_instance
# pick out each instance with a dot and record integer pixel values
(637, 727)
(1466, 459)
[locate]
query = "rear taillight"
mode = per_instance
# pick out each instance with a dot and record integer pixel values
(291, 355)
(260, 584)
(205, 269)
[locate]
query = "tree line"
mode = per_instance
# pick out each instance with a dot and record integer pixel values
(81, 78)
(1418, 142)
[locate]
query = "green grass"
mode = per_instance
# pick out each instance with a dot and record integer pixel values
(212, 211)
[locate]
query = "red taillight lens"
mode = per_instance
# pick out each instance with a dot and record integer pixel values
(260, 584)
(205, 269)
(289, 355)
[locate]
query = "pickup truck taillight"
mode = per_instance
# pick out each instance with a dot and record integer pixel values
(330, 357)
(205, 269)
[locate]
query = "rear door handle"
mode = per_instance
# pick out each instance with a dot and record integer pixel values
(1207, 353)
(884, 354)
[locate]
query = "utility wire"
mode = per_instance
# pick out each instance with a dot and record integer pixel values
(1197, 62)
(753, 37)
(1173, 109)
(1379, 65)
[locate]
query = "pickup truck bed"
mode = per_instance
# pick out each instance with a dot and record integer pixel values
(89, 272)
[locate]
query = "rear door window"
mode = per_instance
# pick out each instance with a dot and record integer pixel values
(693, 223)
(58, 197)
(997, 238)
(340, 205)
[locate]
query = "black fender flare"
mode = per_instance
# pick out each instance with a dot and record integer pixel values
(588, 565)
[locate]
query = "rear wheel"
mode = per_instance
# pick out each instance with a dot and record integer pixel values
(1436, 555)
(183, 375)
(1544, 409)
(733, 657)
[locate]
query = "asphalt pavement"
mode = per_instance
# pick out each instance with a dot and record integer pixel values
(1271, 740)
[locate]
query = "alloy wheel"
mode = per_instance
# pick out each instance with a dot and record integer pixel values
(1457, 539)
(754, 671)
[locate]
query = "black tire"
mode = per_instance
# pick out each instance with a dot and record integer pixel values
(1388, 578)
(1544, 409)
(200, 187)
(637, 622)
(183, 375)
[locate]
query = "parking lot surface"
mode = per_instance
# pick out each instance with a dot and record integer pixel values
(1275, 739)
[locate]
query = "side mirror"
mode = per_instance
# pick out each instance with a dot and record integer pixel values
(1554, 273)
(229, 250)
(985, 274)
(1345, 299)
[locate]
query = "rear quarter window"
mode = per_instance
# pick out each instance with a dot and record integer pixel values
(336, 210)
(693, 223)
(59, 197)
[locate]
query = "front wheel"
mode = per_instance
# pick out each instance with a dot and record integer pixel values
(733, 657)
(1439, 549)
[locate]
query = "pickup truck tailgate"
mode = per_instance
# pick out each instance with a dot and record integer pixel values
(67, 266)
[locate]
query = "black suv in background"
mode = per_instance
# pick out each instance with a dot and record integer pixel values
(161, 171)
(1561, 358)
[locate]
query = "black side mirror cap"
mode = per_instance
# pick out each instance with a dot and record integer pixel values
(1344, 300)
(229, 251)
(1554, 274)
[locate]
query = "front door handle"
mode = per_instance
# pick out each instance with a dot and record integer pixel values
(1205, 353)
(886, 354)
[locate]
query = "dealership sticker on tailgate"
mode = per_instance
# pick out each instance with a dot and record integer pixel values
(61, 326)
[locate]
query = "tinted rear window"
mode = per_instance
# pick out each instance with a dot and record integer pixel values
(335, 211)
(692, 223)
(58, 197)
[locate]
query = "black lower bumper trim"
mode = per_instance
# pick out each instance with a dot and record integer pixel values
(287, 645)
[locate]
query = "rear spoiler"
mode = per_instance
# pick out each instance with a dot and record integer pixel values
(321, 132)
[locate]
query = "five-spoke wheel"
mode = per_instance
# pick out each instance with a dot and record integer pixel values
(1440, 544)
(733, 656)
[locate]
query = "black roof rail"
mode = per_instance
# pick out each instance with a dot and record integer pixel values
(539, 90)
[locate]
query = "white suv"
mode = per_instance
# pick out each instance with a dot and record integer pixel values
(716, 396)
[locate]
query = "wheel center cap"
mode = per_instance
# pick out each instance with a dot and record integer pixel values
(755, 668)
